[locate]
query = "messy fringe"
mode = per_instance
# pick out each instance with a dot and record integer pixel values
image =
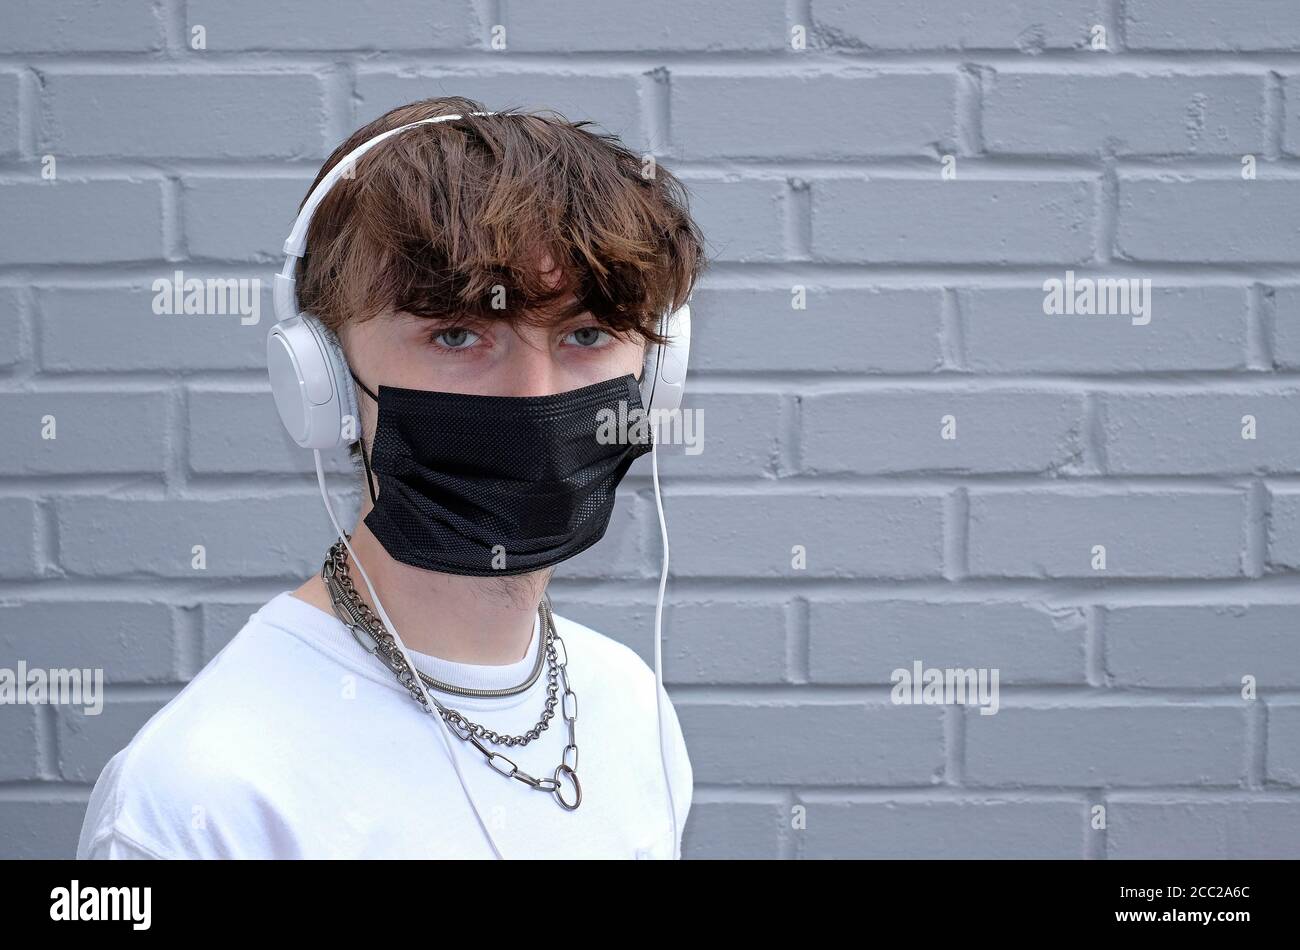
(455, 219)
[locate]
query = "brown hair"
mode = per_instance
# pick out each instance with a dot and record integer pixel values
(437, 218)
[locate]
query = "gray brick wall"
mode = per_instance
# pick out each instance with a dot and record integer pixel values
(919, 170)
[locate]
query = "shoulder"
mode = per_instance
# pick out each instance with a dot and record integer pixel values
(158, 793)
(622, 671)
(195, 772)
(626, 690)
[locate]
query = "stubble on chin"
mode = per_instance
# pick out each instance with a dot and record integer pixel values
(519, 591)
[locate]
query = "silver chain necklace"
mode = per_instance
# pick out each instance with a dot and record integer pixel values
(358, 615)
(370, 632)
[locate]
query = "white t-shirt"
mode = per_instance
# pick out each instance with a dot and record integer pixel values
(294, 742)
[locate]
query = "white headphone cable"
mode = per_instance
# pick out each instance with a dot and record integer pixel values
(430, 708)
(659, 680)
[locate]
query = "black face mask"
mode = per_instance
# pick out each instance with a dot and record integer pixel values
(500, 485)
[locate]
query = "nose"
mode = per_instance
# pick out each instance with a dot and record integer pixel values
(532, 369)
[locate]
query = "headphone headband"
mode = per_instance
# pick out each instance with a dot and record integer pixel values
(295, 245)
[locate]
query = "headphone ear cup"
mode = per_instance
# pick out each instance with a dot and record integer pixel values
(348, 433)
(310, 382)
(664, 378)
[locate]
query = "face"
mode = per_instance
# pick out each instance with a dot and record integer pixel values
(493, 358)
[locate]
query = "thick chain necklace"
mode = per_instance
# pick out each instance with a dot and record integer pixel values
(370, 632)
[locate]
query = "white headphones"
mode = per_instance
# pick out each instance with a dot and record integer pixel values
(310, 380)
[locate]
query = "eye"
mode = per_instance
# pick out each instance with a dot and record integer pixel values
(589, 338)
(455, 338)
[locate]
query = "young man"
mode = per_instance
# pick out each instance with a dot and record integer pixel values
(492, 280)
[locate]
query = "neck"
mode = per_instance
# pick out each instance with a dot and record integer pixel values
(478, 620)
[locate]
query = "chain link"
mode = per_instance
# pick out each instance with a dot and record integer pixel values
(371, 633)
